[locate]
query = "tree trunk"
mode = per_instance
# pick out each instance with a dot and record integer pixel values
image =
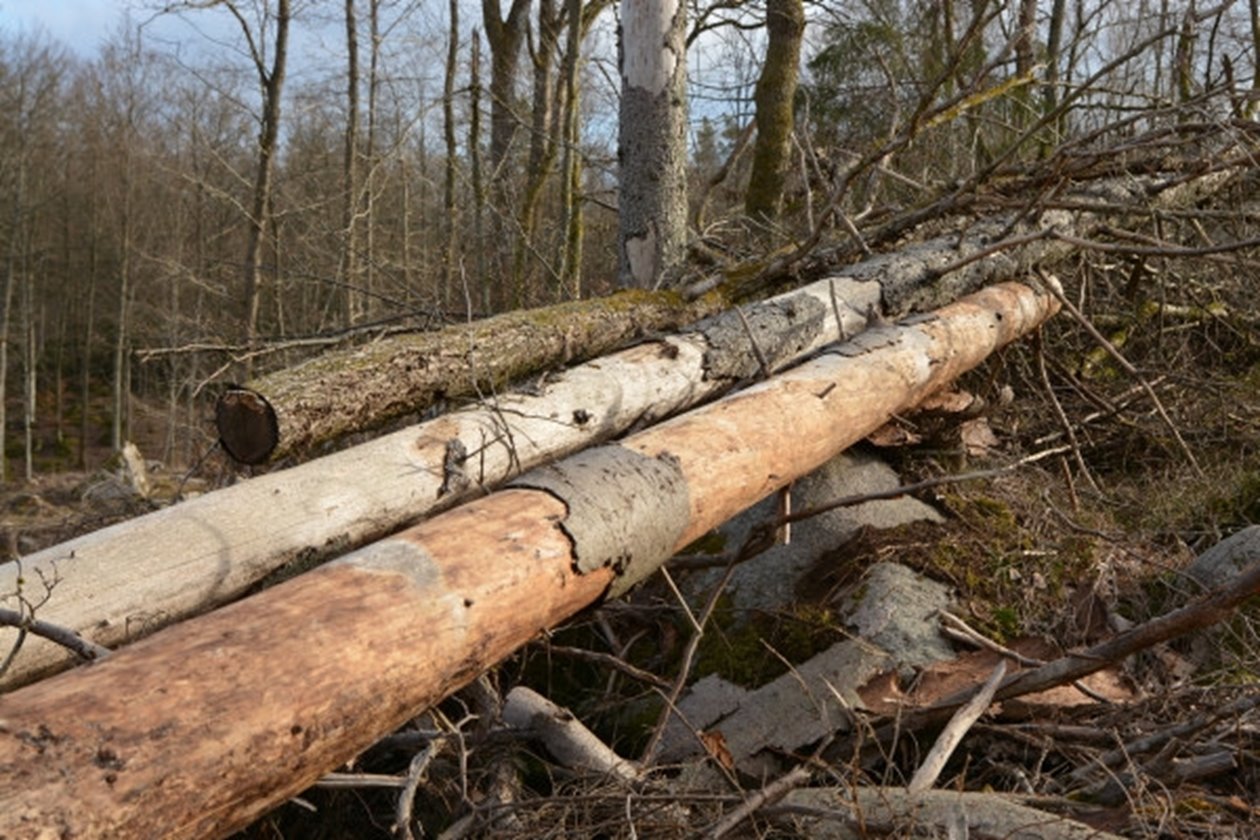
(370, 162)
(271, 85)
(1023, 112)
(652, 149)
(1253, 15)
(1183, 61)
(30, 367)
(6, 301)
(775, 98)
(542, 148)
(481, 281)
(570, 279)
(85, 384)
(265, 713)
(118, 415)
(504, 37)
(1050, 94)
(450, 223)
(350, 177)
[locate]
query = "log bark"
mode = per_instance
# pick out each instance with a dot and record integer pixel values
(362, 388)
(201, 728)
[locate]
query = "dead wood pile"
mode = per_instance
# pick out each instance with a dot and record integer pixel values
(281, 687)
(326, 612)
(125, 582)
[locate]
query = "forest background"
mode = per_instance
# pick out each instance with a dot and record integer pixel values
(201, 198)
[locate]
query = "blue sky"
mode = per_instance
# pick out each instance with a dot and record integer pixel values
(78, 24)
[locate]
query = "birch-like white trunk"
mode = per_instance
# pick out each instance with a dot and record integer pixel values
(652, 142)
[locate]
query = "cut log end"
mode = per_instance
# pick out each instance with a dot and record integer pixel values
(247, 425)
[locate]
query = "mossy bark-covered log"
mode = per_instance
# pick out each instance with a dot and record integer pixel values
(204, 726)
(348, 391)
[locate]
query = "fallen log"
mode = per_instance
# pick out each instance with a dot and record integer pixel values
(294, 413)
(124, 582)
(298, 410)
(204, 726)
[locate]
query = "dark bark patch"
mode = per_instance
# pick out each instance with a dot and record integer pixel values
(779, 330)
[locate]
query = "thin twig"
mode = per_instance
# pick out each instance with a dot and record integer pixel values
(757, 541)
(407, 797)
(907, 489)
(768, 795)
(1153, 250)
(67, 638)
(1062, 415)
(1201, 612)
(752, 338)
(611, 661)
(1156, 740)
(1129, 369)
(960, 630)
(930, 770)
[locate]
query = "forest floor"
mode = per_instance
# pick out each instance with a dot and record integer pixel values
(1053, 555)
(63, 500)
(1049, 557)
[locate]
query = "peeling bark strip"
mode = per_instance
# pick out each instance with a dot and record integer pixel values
(129, 580)
(647, 498)
(206, 725)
